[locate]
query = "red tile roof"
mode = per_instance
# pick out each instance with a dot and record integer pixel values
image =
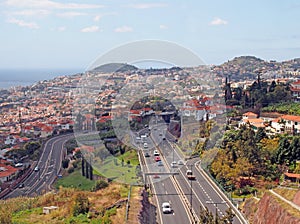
(6, 170)
(291, 118)
(292, 175)
(250, 114)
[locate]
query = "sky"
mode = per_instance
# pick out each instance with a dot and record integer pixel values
(73, 33)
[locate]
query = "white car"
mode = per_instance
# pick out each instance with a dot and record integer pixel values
(166, 207)
(173, 164)
(36, 168)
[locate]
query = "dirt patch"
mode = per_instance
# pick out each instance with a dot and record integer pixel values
(296, 199)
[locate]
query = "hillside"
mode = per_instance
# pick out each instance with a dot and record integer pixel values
(247, 67)
(114, 67)
(105, 206)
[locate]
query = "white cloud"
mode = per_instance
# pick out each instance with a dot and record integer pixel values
(48, 4)
(22, 23)
(31, 12)
(70, 14)
(61, 28)
(163, 27)
(90, 29)
(123, 29)
(97, 18)
(217, 21)
(147, 5)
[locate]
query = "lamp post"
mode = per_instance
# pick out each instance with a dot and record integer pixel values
(191, 193)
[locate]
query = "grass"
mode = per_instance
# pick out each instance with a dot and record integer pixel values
(26, 216)
(288, 194)
(75, 180)
(114, 169)
(131, 156)
(29, 210)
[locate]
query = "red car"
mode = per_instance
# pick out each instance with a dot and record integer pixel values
(157, 158)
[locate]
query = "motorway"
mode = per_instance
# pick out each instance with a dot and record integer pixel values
(186, 196)
(49, 165)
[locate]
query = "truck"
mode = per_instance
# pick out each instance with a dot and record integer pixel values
(190, 175)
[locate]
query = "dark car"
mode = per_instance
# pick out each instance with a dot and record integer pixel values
(147, 154)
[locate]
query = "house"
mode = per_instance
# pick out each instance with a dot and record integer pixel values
(293, 177)
(7, 172)
(295, 91)
(291, 123)
(46, 131)
(277, 126)
(192, 108)
(254, 123)
(249, 115)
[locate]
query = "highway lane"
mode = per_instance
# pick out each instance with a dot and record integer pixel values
(200, 192)
(165, 190)
(49, 165)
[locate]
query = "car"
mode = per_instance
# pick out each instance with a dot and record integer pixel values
(21, 185)
(166, 207)
(180, 162)
(157, 158)
(36, 168)
(160, 163)
(145, 145)
(190, 175)
(19, 165)
(147, 154)
(173, 164)
(156, 153)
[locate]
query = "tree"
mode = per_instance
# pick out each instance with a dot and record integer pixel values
(272, 86)
(81, 204)
(100, 184)
(260, 134)
(295, 149)
(65, 163)
(82, 167)
(283, 152)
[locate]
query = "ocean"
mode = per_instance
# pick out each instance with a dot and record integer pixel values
(24, 77)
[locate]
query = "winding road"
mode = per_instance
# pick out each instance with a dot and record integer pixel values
(49, 165)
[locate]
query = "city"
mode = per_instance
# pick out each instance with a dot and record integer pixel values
(149, 112)
(167, 132)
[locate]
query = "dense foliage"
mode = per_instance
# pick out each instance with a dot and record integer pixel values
(247, 156)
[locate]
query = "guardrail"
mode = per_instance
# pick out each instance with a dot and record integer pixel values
(220, 190)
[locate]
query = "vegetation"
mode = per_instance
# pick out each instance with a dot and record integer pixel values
(246, 158)
(74, 206)
(76, 180)
(208, 218)
(30, 150)
(284, 108)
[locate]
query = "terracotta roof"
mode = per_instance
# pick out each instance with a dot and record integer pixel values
(6, 170)
(250, 114)
(292, 175)
(291, 118)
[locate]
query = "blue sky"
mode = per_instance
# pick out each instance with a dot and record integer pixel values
(73, 33)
